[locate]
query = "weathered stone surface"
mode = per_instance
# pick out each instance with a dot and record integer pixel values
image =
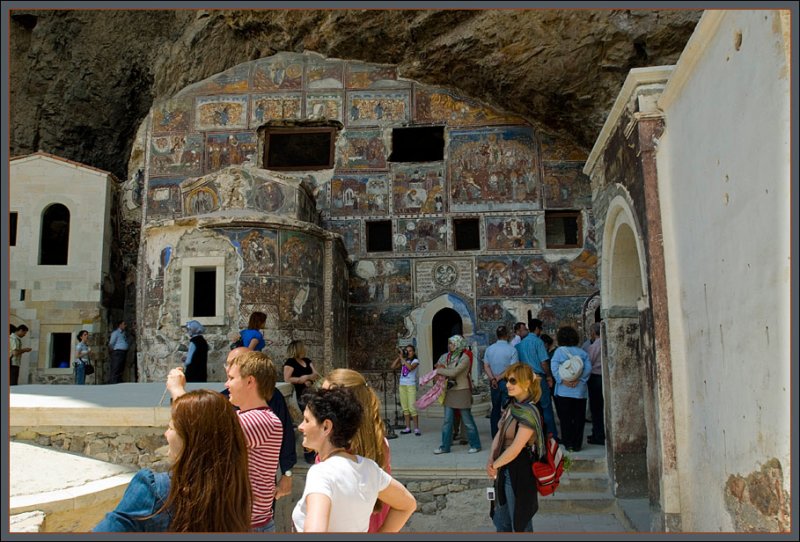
(82, 81)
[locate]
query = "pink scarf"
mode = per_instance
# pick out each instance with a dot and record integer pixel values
(434, 393)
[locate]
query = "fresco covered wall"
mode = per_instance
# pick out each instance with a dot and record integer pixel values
(495, 168)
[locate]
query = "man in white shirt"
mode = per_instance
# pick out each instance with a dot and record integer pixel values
(520, 332)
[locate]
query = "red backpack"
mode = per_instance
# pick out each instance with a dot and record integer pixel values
(549, 468)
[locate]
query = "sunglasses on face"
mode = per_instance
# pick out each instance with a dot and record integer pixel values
(512, 381)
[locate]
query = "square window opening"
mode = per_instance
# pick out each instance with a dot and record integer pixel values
(299, 149)
(467, 234)
(417, 144)
(379, 236)
(563, 229)
(60, 350)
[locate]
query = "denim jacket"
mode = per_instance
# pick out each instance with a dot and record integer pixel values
(144, 496)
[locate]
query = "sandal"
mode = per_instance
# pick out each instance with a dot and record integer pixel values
(417, 433)
(405, 431)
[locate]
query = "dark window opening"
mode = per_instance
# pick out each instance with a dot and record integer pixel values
(563, 229)
(60, 350)
(204, 302)
(467, 234)
(379, 236)
(417, 144)
(22, 295)
(54, 246)
(299, 148)
(12, 230)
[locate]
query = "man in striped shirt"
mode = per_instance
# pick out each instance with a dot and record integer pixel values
(251, 382)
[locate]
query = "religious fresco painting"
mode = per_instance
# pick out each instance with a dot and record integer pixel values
(300, 304)
(421, 235)
(504, 276)
(176, 154)
(557, 312)
(233, 80)
(565, 276)
(324, 74)
(491, 313)
(362, 76)
(229, 149)
(220, 112)
(372, 335)
(515, 232)
(566, 186)
(418, 189)
(493, 169)
(270, 309)
(200, 201)
(381, 281)
(259, 289)
(361, 149)
(350, 230)
(259, 250)
(359, 195)
(164, 198)
(433, 105)
(283, 106)
(324, 106)
(301, 255)
(272, 197)
(281, 72)
(368, 108)
(554, 148)
(172, 116)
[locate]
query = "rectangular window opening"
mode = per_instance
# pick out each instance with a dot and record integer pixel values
(60, 350)
(12, 230)
(379, 236)
(417, 144)
(563, 229)
(22, 295)
(466, 234)
(204, 291)
(299, 149)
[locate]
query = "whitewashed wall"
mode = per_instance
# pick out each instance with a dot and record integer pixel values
(724, 182)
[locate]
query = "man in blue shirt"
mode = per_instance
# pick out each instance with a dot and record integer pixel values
(496, 360)
(532, 351)
(118, 344)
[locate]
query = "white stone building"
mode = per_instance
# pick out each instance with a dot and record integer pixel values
(60, 257)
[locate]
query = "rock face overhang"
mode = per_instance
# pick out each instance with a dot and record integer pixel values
(81, 81)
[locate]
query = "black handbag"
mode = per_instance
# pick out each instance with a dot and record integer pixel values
(88, 369)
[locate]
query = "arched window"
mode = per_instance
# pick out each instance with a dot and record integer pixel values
(54, 246)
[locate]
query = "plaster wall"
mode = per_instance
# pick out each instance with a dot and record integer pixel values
(58, 298)
(724, 180)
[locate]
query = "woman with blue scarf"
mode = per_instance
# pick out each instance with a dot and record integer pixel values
(196, 362)
(518, 439)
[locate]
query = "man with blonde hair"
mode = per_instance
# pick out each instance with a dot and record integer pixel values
(251, 383)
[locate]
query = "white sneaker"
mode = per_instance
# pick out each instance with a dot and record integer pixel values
(473, 450)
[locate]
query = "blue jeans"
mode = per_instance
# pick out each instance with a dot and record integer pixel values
(499, 397)
(268, 527)
(504, 515)
(80, 374)
(547, 409)
(469, 423)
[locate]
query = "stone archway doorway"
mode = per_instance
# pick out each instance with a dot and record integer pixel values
(628, 405)
(445, 323)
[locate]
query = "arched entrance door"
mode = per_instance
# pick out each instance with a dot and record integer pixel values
(444, 325)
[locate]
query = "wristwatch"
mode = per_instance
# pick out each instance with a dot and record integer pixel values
(288, 473)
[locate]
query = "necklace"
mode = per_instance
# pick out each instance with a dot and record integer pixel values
(332, 453)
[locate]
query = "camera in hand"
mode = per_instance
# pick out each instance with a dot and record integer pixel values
(489, 493)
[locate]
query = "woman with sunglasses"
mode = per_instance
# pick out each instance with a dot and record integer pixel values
(510, 460)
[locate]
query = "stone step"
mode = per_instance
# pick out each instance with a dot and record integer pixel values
(589, 464)
(577, 502)
(584, 482)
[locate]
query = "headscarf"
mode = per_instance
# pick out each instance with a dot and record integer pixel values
(195, 328)
(460, 344)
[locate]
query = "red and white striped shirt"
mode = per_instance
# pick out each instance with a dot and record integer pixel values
(263, 432)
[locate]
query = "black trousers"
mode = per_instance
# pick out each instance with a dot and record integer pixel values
(118, 358)
(572, 414)
(14, 374)
(596, 407)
